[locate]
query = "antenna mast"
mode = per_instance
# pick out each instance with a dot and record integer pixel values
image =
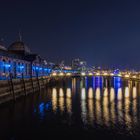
(20, 36)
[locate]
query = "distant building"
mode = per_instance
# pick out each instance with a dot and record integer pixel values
(78, 64)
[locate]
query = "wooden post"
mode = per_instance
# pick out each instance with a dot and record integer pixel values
(47, 81)
(43, 81)
(12, 87)
(31, 76)
(38, 82)
(32, 84)
(24, 86)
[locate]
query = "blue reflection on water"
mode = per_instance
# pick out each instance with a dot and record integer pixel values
(99, 105)
(35, 110)
(117, 83)
(98, 81)
(93, 82)
(48, 105)
(42, 108)
(90, 82)
(86, 82)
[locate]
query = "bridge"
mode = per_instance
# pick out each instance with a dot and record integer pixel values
(126, 75)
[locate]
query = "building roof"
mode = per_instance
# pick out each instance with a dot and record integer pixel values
(34, 58)
(3, 48)
(19, 46)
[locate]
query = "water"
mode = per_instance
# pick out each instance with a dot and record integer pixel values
(94, 107)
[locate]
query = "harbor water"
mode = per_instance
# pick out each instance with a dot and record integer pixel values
(86, 107)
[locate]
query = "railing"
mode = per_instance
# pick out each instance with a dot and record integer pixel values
(90, 74)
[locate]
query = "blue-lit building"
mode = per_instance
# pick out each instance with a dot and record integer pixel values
(18, 61)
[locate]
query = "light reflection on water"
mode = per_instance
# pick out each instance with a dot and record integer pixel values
(112, 94)
(134, 93)
(68, 93)
(105, 108)
(83, 106)
(61, 100)
(90, 93)
(77, 104)
(120, 95)
(112, 104)
(54, 99)
(98, 93)
(69, 101)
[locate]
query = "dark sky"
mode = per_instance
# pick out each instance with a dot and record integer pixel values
(102, 32)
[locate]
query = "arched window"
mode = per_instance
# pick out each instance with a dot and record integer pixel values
(18, 67)
(15, 68)
(9, 66)
(4, 68)
(26, 69)
(22, 68)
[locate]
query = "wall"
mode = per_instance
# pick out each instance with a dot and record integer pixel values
(15, 88)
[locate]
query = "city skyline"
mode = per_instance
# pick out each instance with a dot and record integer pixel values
(101, 33)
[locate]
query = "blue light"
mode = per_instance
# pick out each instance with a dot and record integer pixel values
(117, 79)
(98, 81)
(41, 107)
(40, 68)
(7, 65)
(21, 67)
(41, 110)
(117, 83)
(36, 68)
(86, 82)
(93, 82)
(116, 72)
(48, 105)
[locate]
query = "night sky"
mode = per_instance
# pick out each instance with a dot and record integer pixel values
(102, 32)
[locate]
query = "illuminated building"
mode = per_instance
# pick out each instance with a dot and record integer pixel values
(17, 60)
(77, 64)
